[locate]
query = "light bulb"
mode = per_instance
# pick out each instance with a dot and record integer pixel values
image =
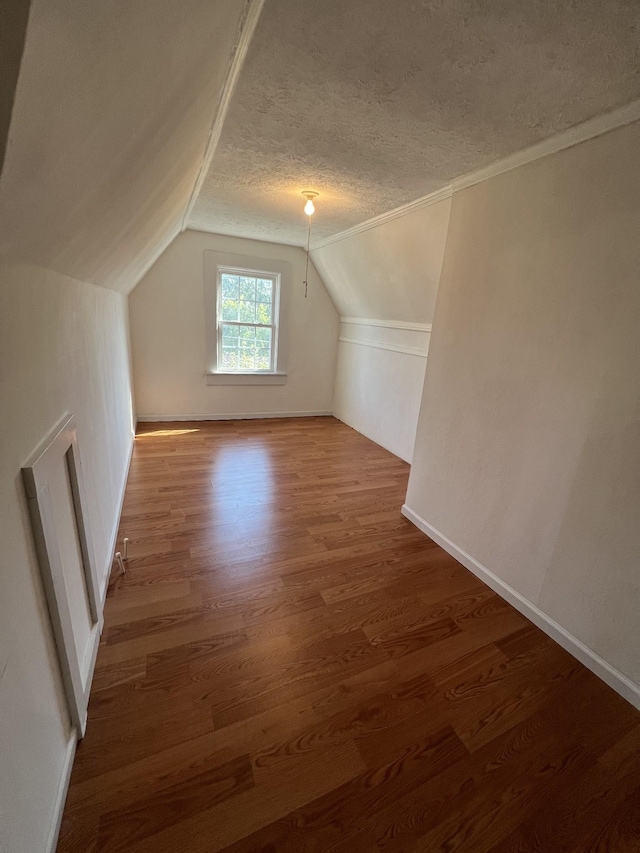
(309, 207)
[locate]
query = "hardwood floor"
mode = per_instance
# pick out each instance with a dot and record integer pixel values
(289, 665)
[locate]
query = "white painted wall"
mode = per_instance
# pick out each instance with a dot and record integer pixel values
(168, 337)
(388, 273)
(527, 453)
(108, 133)
(379, 379)
(63, 348)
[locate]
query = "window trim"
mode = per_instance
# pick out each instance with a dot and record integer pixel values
(214, 261)
(275, 315)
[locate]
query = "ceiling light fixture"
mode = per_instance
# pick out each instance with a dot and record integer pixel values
(309, 209)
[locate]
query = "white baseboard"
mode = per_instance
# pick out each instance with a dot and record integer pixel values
(238, 416)
(381, 441)
(611, 676)
(61, 796)
(116, 525)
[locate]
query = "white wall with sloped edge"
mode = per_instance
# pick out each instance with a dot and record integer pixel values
(108, 133)
(64, 349)
(168, 338)
(528, 443)
(384, 280)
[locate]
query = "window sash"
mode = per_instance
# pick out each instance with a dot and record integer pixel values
(251, 325)
(275, 297)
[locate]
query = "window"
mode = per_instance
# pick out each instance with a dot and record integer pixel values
(245, 319)
(247, 311)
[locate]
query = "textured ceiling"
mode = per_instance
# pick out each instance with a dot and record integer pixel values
(377, 102)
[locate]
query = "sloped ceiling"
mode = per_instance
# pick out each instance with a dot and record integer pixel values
(390, 272)
(12, 35)
(114, 104)
(373, 103)
(376, 103)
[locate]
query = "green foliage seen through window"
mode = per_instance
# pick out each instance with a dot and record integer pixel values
(246, 300)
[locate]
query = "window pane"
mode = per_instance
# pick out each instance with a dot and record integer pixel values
(263, 349)
(247, 289)
(250, 349)
(229, 286)
(264, 290)
(246, 360)
(229, 359)
(247, 312)
(263, 312)
(230, 309)
(246, 332)
(229, 335)
(247, 301)
(263, 337)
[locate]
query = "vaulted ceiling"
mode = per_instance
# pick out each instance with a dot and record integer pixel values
(371, 102)
(114, 105)
(377, 102)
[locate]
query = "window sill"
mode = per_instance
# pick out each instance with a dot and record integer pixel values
(245, 378)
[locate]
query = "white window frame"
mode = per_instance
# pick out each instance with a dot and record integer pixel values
(275, 313)
(215, 263)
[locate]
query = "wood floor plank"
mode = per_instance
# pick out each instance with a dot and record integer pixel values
(289, 665)
(121, 828)
(122, 740)
(304, 780)
(205, 628)
(580, 811)
(162, 607)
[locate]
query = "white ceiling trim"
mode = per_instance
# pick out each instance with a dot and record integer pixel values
(396, 213)
(248, 25)
(567, 139)
(589, 129)
(387, 324)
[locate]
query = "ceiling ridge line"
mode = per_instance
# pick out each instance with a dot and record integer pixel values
(248, 26)
(586, 130)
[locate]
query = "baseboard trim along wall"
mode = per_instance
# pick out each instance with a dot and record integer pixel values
(116, 525)
(611, 676)
(61, 796)
(238, 416)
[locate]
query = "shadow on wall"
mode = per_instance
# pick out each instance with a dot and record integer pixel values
(12, 38)
(596, 578)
